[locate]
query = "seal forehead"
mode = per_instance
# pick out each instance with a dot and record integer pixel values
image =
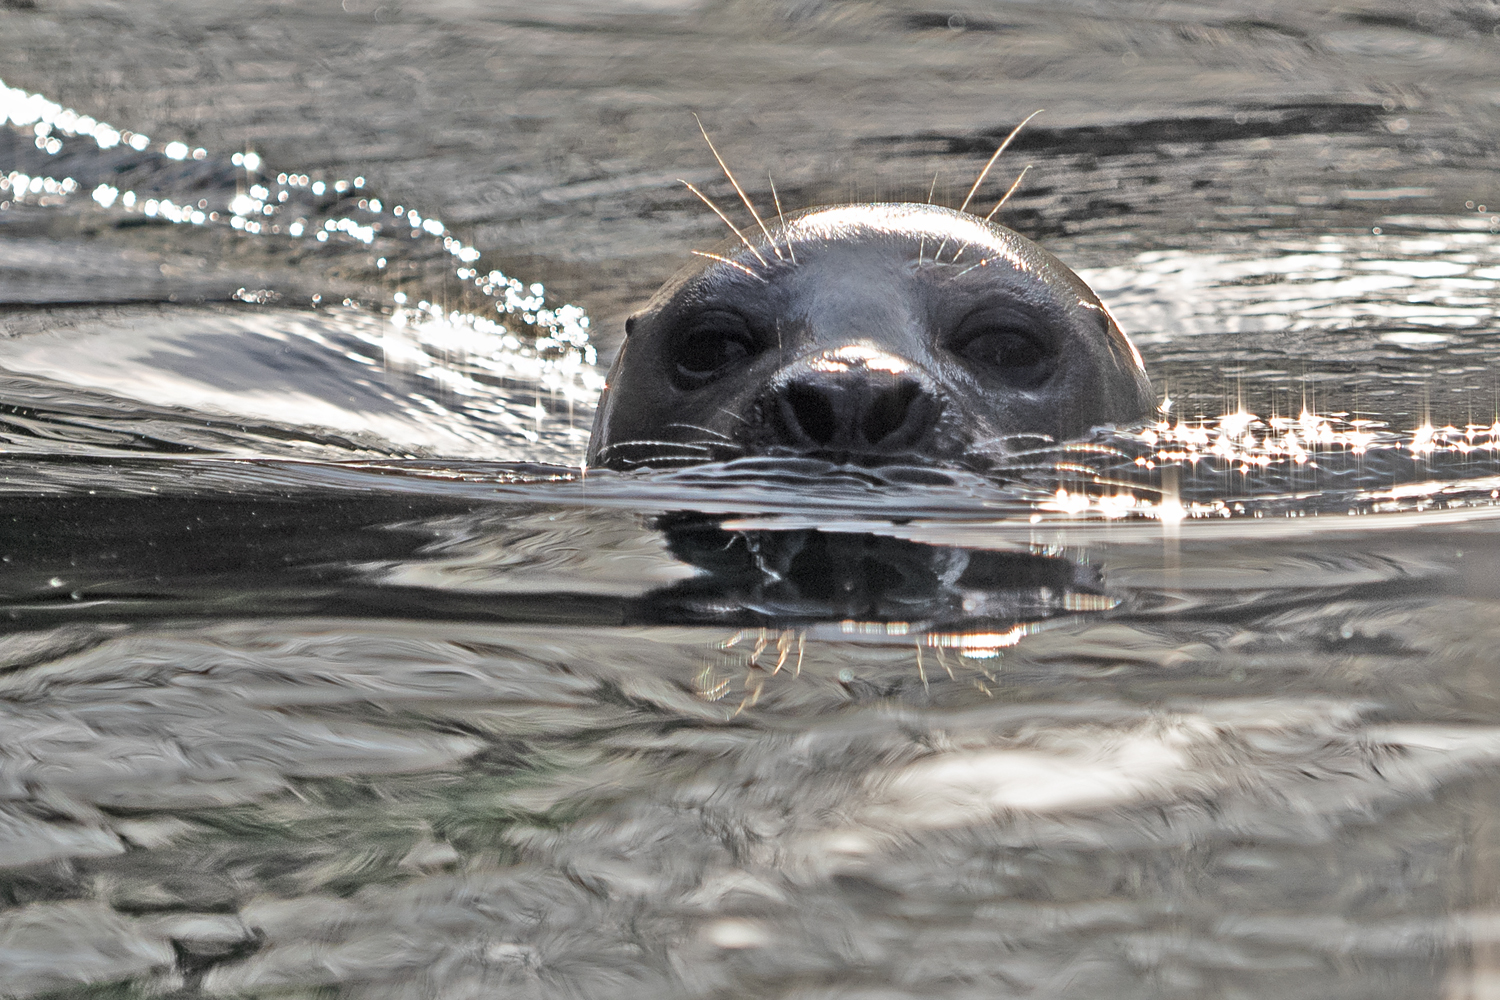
(906, 220)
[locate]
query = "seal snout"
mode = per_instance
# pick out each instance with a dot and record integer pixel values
(854, 401)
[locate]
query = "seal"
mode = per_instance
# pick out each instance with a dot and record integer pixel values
(870, 334)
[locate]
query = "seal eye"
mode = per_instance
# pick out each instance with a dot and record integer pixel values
(1008, 350)
(710, 343)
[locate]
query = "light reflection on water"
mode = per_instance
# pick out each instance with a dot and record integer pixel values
(412, 382)
(301, 691)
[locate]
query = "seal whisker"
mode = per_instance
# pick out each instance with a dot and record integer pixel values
(1001, 203)
(1046, 449)
(731, 263)
(738, 190)
(650, 452)
(705, 430)
(1010, 191)
(725, 219)
(995, 156)
(680, 462)
(638, 442)
(986, 171)
(922, 247)
(971, 267)
(784, 234)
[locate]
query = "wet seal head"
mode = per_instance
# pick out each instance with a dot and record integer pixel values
(872, 334)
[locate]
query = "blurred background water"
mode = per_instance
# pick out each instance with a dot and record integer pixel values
(326, 671)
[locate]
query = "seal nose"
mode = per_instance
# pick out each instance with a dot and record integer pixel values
(859, 411)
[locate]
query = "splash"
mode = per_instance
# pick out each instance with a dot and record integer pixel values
(299, 207)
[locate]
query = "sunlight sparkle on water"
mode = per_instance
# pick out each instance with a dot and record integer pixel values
(269, 207)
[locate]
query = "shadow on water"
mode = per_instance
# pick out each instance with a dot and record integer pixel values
(325, 670)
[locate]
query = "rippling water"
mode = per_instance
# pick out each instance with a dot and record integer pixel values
(326, 670)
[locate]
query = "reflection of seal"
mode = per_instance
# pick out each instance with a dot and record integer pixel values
(868, 334)
(802, 577)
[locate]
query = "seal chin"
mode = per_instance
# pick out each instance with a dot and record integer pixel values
(867, 335)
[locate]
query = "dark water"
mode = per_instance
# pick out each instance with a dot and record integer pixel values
(327, 672)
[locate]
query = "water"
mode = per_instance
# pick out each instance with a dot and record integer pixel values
(327, 670)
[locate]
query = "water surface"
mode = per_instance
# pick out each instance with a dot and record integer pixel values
(328, 671)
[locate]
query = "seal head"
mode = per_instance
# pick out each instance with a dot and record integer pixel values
(870, 334)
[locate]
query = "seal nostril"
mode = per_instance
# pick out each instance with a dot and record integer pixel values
(888, 410)
(812, 411)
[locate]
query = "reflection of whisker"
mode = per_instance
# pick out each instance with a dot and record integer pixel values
(725, 219)
(783, 647)
(943, 661)
(710, 688)
(752, 696)
(738, 190)
(731, 263)
(760, 647)
(709, 685)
